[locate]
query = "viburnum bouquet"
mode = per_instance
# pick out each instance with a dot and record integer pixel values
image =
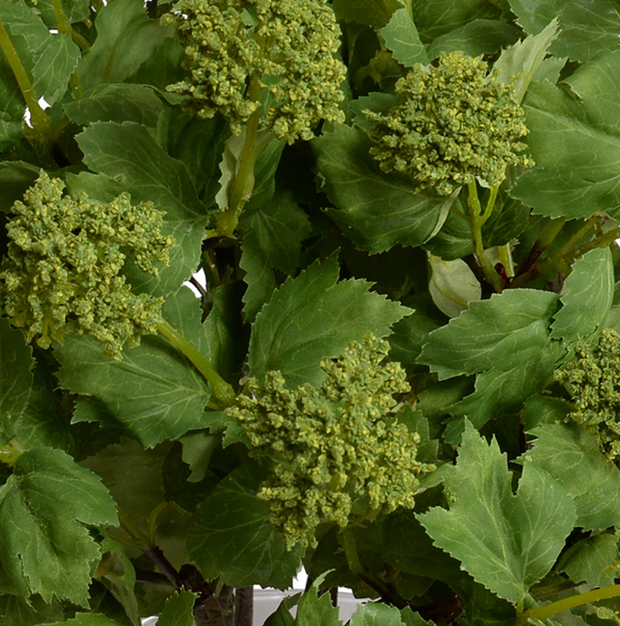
(400, 367)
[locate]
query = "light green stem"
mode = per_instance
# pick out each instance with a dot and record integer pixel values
(477, 219)
(38, 118)
(545, 612)
(505, 258)
(242, 184)
(221, 389)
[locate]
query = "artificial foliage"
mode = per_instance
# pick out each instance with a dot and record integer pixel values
(399, 366)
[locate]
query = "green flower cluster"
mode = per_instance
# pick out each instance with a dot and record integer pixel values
(592, 380)
(241, 51)
(335, 450)
(454, 123)
(63, 270)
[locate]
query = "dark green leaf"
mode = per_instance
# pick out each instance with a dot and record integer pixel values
(116, 102)
(573, 458)
(154, 392)
(314, 316)
(20, 611)
(179, 609)
(375, 210)
(44, 545)
(591, 560)
(587, 299)
(453, 240)
(126, 38)
(233, 538)
(15, 178)
(74, 10)
(543, 409)
(574, 140)
(585, 29)
(88, 619)
(128, 154)
(506, 542)
(375, 13)
(259, 277)
(401, 37)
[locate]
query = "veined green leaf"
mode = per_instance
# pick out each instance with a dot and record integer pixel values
(179, 609)
(233, 537)
(21, 611)
(591, 560)
(574, 140)
(375, 210)
(573, 458)
(313, 610)
(45, 504)
(74, 10)
(588, 296)
(585, 28)
(506, 542)
(401, 37)
(126, 38)
(314, 316)
(128, 154)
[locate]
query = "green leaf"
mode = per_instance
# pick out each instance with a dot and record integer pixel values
(375, 13)
(439, 17)
(259, 277)
(506, 223)
(16, 382)
(116, 102)
(277, 228)
(523, 60)
(44, 546)
(232, 536)
(401, 37)
(88, 619)
(179, 609)
(314, 316)
(506, 542)
(587, 299)
(375, 210)
(573, 458)
(502, 332)
(453, 241)
(20, 611)
(49, 60)
(126, 38)
(585, 29)
(481, 36)
(128, 154)
(589, 559)
(313, 610)
(377, 614)
(154, 392)
(15, 178)
(574, 140)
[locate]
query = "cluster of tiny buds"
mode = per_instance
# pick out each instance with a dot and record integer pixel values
(334, 448)
(246, 55)
(455, 123)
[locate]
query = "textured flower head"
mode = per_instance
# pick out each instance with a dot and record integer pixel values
(240, 52)
(63, 270)
(454, 123)
(592, 380)
(333, 446)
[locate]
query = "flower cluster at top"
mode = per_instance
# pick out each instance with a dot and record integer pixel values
(592, 380)
(241, 51)
(454, 123)
(335, 449)
(63, 270)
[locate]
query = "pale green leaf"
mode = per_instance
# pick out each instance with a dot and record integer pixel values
(453, 285)
(179, 609)
(129, 155)
(45, 547)
(232, 536)
(126, 38)
(591, 560)
(313, 610)
(522, 61)
(481, 36)
(372, 12)
(574, 140)
(502, 332)
(573, 458)
(401, 37)
(506, 542)
(377, 614)
(154, 392)
(314, 316)
(586, 28)
(116, 102)
(587, 299)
